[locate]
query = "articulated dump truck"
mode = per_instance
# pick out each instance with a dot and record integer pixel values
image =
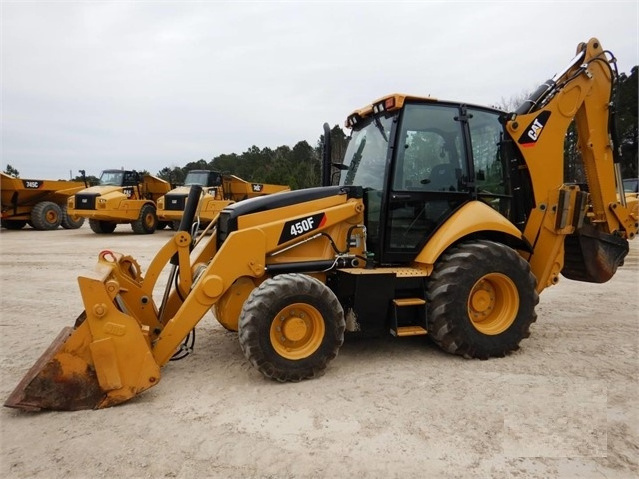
(121, 197)
(447, 220)
(40, 203)
(218, 191)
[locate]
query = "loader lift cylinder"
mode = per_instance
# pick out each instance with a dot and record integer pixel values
(185, 225)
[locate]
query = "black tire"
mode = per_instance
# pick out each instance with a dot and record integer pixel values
(102, 227)
(14, 224)
(147, 222)
(481, 300)
(46, 215)
(71, 222)
(291, 327)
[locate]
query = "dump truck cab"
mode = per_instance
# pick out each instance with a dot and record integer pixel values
(218, 191)
(171, 206)
(121, 197)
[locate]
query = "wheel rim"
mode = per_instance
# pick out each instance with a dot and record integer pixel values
(51, 216)
(149, 220)
(493, 303)
(297, 331)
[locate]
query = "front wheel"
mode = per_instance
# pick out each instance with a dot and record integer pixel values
(147, 221)
(70, 222)
(291, 327)
(102, 227)
(482, 300)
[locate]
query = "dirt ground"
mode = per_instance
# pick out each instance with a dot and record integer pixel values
(564, 405)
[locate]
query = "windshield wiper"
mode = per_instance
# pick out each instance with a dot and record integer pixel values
(380, 127)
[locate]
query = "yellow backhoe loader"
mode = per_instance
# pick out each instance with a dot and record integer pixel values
(121, 197)
(218, 191)
(448, 220)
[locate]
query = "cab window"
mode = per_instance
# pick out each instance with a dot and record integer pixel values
(431, 146)
(490, 171)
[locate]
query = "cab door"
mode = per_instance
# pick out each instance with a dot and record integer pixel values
(429, 178)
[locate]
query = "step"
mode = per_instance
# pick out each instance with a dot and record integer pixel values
(408, 302)
(411, 331)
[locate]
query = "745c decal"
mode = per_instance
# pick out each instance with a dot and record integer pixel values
(294, 228)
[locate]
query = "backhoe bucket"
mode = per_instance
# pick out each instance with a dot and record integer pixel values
(104, 360)
(592, 256)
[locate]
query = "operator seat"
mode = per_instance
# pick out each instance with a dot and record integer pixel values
(444, 177)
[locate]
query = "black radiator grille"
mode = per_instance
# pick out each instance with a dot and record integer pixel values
(85, 201)
(175, 202)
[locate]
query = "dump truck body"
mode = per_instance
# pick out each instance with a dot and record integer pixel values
(40, 203)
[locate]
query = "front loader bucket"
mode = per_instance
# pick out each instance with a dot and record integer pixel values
(59, 380)
(104, 360)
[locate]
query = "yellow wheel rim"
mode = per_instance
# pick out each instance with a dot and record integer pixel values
(297, 331)
(493, 304)
(51, 216)
(148, 219)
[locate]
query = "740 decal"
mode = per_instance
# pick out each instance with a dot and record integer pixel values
(294, 228)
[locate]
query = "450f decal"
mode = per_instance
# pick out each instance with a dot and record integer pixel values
(297, 227)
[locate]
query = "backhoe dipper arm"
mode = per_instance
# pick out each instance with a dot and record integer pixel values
(581, 92)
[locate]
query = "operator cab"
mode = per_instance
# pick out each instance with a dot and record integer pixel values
(419, 160)
(119, 178)
(204, 178)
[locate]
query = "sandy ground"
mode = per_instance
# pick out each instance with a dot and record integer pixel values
(565, 405)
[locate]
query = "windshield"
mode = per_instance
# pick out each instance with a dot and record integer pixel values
(113, 178)
(366, 153)
(196, 178)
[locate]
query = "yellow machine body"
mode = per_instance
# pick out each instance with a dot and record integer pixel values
(396, 247)
(122, 197)
(218, 191)
(42, 203)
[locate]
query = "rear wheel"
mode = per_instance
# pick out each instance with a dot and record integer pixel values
(291, 326)
(147, 222)
(14, 224)
(46, 215)
(482, 300)
(102, 227)
(70, 222)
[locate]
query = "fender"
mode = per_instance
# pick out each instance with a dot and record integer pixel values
(473, 217)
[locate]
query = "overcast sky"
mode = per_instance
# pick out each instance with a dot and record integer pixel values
(147, 84)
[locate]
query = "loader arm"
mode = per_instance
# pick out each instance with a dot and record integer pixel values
(120, 342)
(245, 253)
